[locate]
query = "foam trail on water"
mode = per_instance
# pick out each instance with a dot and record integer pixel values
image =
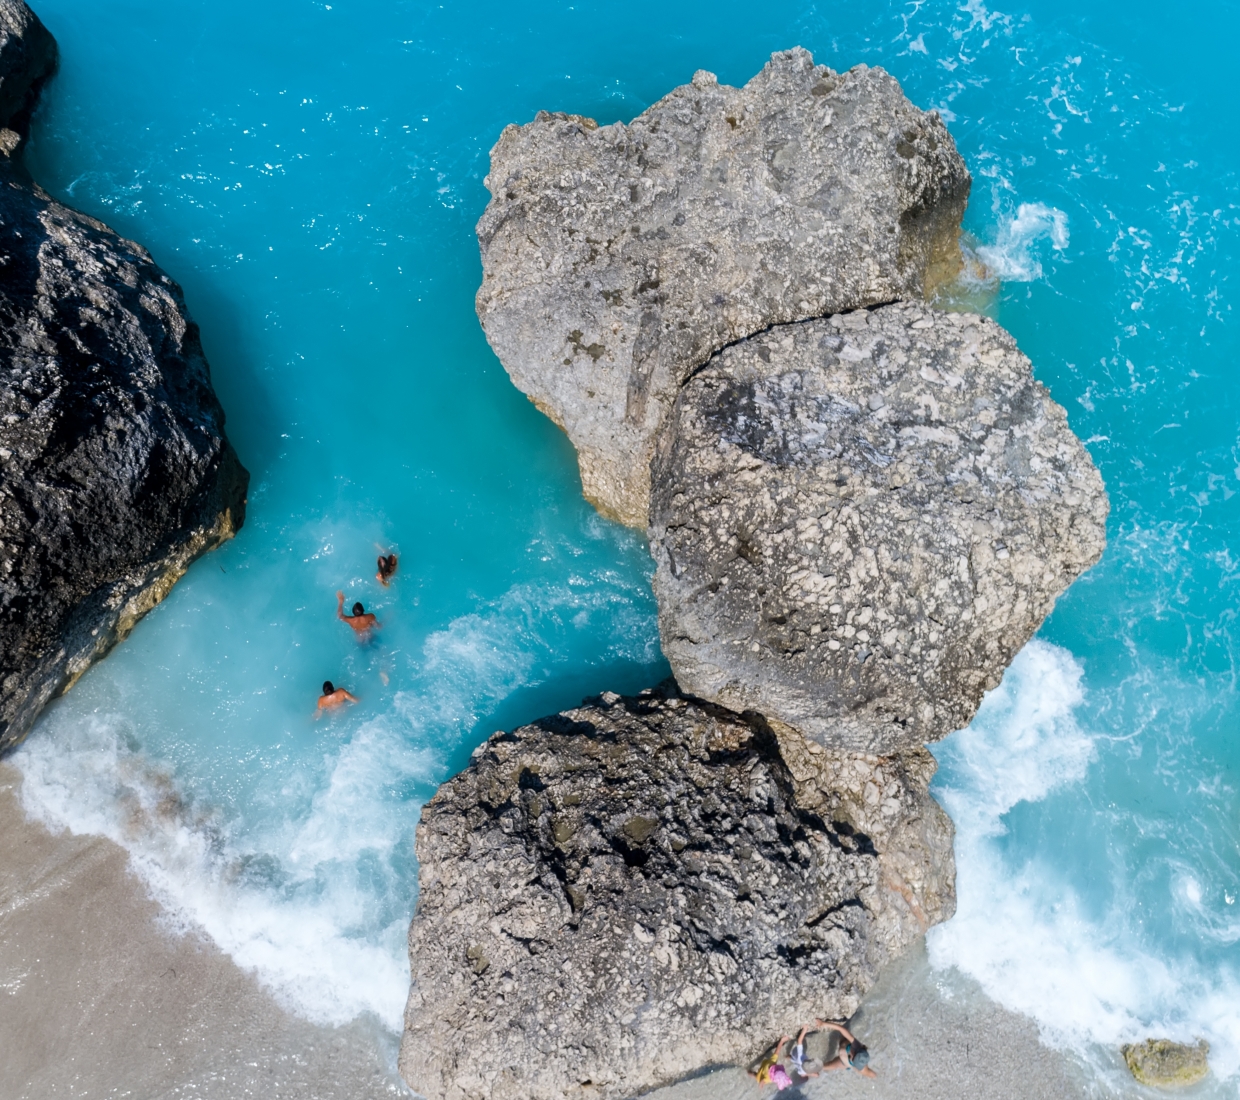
(310, 880)
(1014, 255)
(1021, 930)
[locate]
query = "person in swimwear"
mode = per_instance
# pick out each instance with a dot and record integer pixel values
(387, 569)
(770, 1072)
(796, 1056)
(852, 1054)
(361, 622)
(333, 697)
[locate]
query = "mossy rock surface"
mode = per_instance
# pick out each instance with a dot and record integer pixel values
(1164, 1064)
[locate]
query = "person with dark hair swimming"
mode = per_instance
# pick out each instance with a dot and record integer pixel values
(333, 697)
(361, 621)
(853, 1055)
(387, 569)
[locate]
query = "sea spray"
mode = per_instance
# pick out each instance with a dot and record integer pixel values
(1066, 955)
(309, 880)
(1013, 257)
(334, 288)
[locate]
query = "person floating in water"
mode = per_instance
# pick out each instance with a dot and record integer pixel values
(333, 697)
(387, 569)
(770, 1071)
(361, 622)
(852, 1054)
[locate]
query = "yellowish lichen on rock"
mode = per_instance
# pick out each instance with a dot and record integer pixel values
(1164, 1064)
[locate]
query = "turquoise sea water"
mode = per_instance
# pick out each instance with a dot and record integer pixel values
(311, 173)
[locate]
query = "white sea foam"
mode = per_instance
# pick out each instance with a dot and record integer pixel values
(310, 882)
(289, 907)
(1021, 930)
(1014, 255)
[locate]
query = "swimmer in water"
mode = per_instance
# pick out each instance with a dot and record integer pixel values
(387, 569)
(361, 622)
(333, 697)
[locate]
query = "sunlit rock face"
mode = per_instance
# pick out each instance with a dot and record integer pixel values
(618, 894)
(616, 259)
(859, 520)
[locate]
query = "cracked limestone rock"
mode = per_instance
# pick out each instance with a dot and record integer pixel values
(616, 259)
(115, 472)
(615, 896)
(859, 520)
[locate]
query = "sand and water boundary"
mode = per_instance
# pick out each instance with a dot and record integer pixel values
(101, 997)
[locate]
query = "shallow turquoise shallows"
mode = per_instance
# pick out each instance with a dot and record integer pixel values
(311, 172)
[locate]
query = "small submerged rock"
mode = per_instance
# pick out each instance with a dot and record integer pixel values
(859, 520)
(615, 896)
(1164, 1064)
(616, 259)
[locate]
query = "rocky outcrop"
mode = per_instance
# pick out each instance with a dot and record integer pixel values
(1165, 1064)
(858, 522)
(115, 472)
(616, 259)
(27, 59)
(615, 896)
(858, 516)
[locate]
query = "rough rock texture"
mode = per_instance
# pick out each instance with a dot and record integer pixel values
(1164, 1064)
(114, 469)
(617, 895)
(616, 259)
(858, 521)
(27, 59)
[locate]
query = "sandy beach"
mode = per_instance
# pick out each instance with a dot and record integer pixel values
(100, 999)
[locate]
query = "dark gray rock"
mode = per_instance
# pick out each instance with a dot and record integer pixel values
(617, 259)
(859, 520)
(27, 59)
(115, 472)
(621, 894)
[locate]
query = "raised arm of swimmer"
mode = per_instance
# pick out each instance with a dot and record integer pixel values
(361, 621)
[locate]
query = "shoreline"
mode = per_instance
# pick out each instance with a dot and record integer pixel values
(103, 1000)
(100, 1000)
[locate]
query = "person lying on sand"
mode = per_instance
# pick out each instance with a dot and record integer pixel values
(852, 1054)
(333, 697)
(770, 1072)
(796, 1057)
(361, 622)
(387, 569)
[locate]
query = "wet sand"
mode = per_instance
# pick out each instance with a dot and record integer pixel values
(97, 999)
